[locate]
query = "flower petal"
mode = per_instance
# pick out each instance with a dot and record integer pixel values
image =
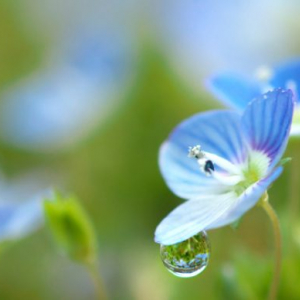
(192, 217)
(234, 89)
(211, 212)
(217, 132)
(247, 200)
(20, 220)
(266, 123)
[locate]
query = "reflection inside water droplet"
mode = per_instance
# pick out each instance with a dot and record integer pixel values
(188, 258)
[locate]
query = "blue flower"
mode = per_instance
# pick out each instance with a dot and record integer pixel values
(237, 91)
(238, 156)
(60, 104)
(20, 218)
(198, 42)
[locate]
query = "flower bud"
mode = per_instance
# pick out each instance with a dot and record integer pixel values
(71, 228)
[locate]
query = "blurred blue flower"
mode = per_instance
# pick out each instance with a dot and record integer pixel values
(60, 104)
(238, 158)
(21, 210)
(19, 219)
(237, 90)
(201, 37)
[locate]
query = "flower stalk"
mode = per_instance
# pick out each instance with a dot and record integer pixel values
(92, 269)
(74, 234)
(265, 204)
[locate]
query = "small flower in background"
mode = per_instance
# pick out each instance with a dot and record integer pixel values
(60, 104)
(202, 37)
(237, 90)
(74, 234)
(21, 210)
(245, 152)
(87, 69)
(20, 219)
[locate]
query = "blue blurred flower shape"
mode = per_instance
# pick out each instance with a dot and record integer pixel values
(237, 90)
(20, 218)
(60, 104)
(239, 157)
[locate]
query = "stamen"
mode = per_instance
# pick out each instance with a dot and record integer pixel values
(228, 180)
(223, 163)
(209, 166)
(206, 165)
(207, 162)
(195, 152)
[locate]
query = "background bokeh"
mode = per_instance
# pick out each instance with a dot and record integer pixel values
(88, 92)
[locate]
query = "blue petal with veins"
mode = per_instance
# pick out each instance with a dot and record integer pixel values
(245, 150)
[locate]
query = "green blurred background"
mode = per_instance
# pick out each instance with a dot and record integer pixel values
(114, 172)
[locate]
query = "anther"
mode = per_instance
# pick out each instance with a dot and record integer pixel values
(196, 152)
(206, 165)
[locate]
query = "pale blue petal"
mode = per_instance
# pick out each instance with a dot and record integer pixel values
(286, 74)
(234, 90)
(213, 35)
(20, 219)
(211, 212)
(50, 110)
(58, 106)
(192, 217)
(217, 132)
(267, 121)
(103, 55)
(247, 200)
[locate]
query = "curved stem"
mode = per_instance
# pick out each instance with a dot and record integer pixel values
(294, 185)
(97, 281)
(278, 254)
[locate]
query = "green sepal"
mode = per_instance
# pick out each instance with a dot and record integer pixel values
(284, 160)
(71, 228)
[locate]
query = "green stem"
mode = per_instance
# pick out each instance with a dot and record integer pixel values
(294, 184)
(278, 255)
(97, 280)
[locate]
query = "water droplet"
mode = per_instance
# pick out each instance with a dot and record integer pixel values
(188, 258)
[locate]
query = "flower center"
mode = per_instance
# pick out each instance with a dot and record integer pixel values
(254, 169)
(227, 173)
(237, 178)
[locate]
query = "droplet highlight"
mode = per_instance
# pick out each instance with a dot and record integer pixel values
(188, 258)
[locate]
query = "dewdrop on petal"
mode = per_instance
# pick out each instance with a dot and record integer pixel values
(188, 258)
